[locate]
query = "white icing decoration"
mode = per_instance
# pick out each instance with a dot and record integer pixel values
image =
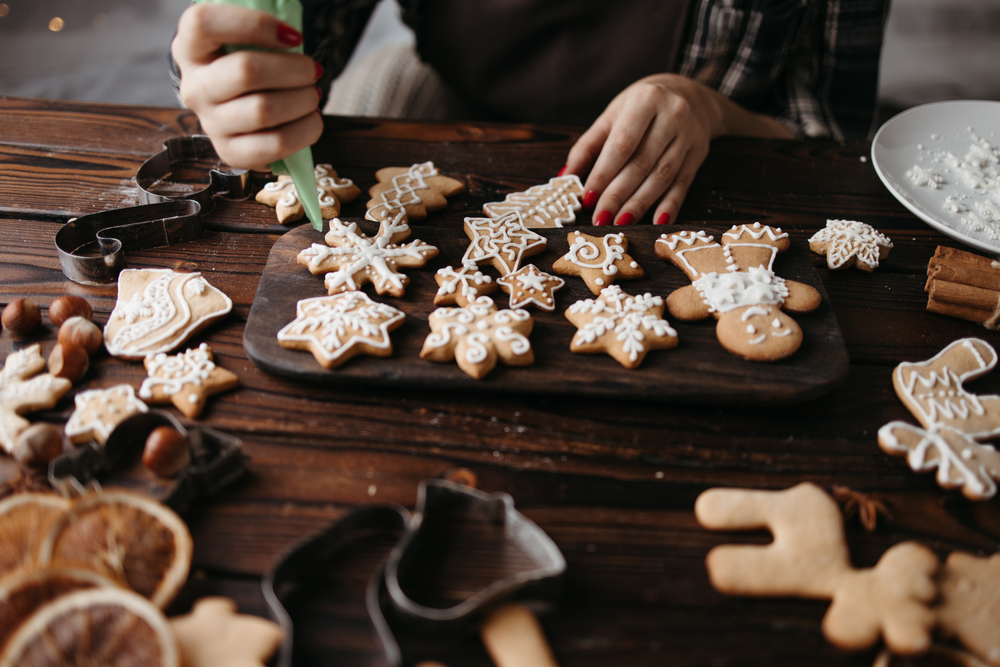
(171, 373)
(466, 281)
(505, 240)
(850, 238)
(630, 317)
(729, 291)
(757, 341)
(924, 178)
(751, 329)
(404, 191)
(687, 238)
(756, 231)
(552, 204)
(584, 253)
(481, 325)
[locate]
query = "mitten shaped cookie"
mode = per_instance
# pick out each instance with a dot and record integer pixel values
(734, 282)
(413, 191)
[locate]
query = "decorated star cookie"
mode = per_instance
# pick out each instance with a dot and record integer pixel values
(503, 242)
(185, 379)
(336, 328)
(462, 286)
(412, 191)
(332, 191)
(623, 326)
(953, 420)
(159, 309)
(733, 281)
(847, 242)
(22, 390)
(214, 635)
(477, 335)
(598, 260)
(351, 259)
(98, 411)
(553, 204)
(530, 286)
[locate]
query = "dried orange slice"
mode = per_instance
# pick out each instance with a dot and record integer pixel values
(111, 627)
(126, 536)
(25, 590)
(24, 519)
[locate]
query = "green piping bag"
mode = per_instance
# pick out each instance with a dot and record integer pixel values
(300, 165)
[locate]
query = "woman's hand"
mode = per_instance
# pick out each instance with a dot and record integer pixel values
(648, 144)
(256, 106)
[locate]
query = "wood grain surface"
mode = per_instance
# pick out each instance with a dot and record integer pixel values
(613, 481)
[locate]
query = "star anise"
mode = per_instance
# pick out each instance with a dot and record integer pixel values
(865, 506)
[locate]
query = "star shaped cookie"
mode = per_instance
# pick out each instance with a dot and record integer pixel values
(336, 328)
(185, 379)
(847, 242)
(98, 411)
(463, 286)
(332, 191)
(22, 390)
(503, 242)
(411, 191)
(530, 286)
(214, 635)
(598, 260)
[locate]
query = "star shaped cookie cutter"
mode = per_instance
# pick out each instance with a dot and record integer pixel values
(162, 219)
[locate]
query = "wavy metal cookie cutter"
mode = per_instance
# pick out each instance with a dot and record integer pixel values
(386, 594)
(162, 219)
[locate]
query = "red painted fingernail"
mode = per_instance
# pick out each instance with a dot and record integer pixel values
(562, 171)
(603, 218)
(319, 93)
(319, 71)
(624, 219)
(288, 35)
(590, 199)
(664, 219)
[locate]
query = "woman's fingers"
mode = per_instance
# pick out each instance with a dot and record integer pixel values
(254, 151)
(247, 72)
(204, 29)
(670, 205)
(261, 111)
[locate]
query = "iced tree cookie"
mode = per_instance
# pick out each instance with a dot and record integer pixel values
(159, 309)
(503, 242)
(98, 411)
(598, 260)
(412, 191)
(185, 379)
(333, 192)
(551, 204)
(23, 389)
(733, 281)
(848, 242)
(530, 286)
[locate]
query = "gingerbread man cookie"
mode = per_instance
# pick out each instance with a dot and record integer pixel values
(552, 204)
(185, 379)
(733, 281)
(332, 191)
(530, 286)
(463, 286)
(623, 326)
(351, 259)
(98, 411)
(411, 191)
(598, 260)
(848, 242)
(503, 242)
(22, 390)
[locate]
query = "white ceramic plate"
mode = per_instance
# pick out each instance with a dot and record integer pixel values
(918, 137)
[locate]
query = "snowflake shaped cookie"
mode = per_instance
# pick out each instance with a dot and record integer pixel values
(599, 261)
(185, 379)
(477, 335)
(847, 242)
(623, 326)
(552, 204)
(351, 259)
(530, 286)
(23, 390)
(411, 191)
(332, 191)
(336, 328)
(463, 286)
(98, 411)
(503, 242)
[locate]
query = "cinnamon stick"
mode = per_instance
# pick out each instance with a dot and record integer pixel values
(964, 295)
(958, 266)
(953, 310)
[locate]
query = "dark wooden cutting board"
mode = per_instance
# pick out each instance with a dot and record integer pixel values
(698, 370)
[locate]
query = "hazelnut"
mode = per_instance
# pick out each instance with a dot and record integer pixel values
(21, 317)
(81, 332)
(166, 452)
(69, 361)
(38, 444)
(65, 307)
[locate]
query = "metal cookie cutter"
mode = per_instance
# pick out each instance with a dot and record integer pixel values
(163, 219)
(216, 461)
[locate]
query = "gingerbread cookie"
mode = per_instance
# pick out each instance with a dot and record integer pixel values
(463, 286)
(336, 328)
(550, 205)
(623, 326)
(214, 635)
(809, 558)
(953, 420)
(848, 242)
(969, 603)
(530, 286)
(98, 411)
(332, 191)
(159, 309)
(22, 390)
(412, 192)
(733, 281)
(351, 259)
(598, 260)
(503, 242)
(477, 335)
(185, 379)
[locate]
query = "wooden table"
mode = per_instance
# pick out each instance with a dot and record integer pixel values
(612, 482)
